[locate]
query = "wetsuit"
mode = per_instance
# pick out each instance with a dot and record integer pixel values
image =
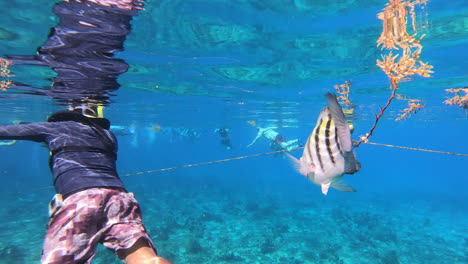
(83, 153)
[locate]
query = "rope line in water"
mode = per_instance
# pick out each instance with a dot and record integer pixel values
(205, 163)
(418, 149)
(258, 155)
(284, 150)
(279, 151)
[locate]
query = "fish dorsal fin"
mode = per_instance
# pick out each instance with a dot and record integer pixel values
(323, 116)
(340, 122)
(342, 186)
(325, 187)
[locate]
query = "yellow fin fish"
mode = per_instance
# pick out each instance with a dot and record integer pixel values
(328, 153)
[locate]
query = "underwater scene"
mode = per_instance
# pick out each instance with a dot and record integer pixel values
(251, 131)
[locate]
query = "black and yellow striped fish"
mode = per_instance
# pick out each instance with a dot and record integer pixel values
(328, 153)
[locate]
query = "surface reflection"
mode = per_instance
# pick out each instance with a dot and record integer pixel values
(81, 49)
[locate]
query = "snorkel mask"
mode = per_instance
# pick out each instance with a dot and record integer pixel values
(88, 110)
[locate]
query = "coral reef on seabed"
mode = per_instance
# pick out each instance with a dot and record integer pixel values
(212, 225)
(220, 227)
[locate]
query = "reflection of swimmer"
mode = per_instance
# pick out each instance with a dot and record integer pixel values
(278, 141)
(225, 139)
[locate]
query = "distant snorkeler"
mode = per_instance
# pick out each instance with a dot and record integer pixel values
(328, 153)
(277, 140)
(182, 133)
(225, 139)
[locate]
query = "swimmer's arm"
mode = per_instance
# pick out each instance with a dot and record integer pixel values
(33, 131)
(260, 133)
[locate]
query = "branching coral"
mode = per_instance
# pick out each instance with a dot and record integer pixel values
(343, 91)
(461, 100)
(4, 85)
(406, 61)
(5, 73)
(413, 106)
(395, 33)
(406, 66)
(395, 36)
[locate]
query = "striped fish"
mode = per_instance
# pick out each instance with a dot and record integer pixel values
(328, 153)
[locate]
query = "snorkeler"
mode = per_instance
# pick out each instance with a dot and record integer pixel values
(277, 141)
(91, 205)
(225, 139)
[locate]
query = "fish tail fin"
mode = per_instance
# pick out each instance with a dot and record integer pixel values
(342, 186)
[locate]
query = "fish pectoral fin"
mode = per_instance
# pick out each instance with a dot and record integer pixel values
(325, 187)
(342, 186)
(310, 176)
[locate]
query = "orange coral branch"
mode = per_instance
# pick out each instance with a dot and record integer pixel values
(4, 71)
(395, 36)
(407, 63)
(4, 85)
(413, 107)
(343, 98)
(343, 91)
(457, 99)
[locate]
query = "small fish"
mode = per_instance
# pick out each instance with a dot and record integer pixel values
(328, 153)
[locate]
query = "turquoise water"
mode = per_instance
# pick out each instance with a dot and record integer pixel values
(199, 65)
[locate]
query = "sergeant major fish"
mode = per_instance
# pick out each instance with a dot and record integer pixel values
(328, 153)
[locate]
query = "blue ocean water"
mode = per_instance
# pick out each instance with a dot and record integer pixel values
(195, 66)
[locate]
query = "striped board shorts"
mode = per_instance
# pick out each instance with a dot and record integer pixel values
(86, 218)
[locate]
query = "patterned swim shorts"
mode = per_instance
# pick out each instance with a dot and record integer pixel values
(89, 217)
